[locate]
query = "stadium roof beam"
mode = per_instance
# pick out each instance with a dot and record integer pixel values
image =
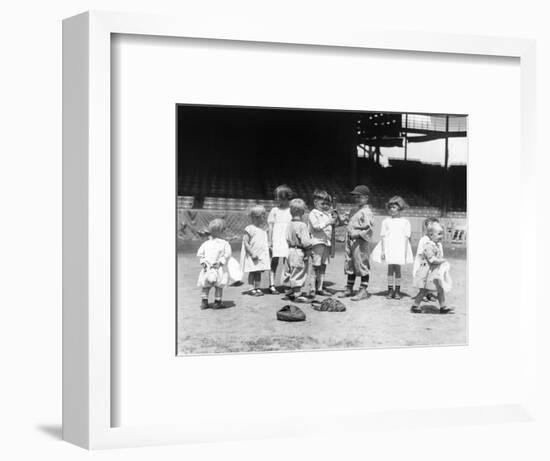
(440, 133)
(434, 137)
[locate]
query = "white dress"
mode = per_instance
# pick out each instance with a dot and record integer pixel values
(258, 243)
(214, 250)
(420, 250)
(395, 233)
(280, 219)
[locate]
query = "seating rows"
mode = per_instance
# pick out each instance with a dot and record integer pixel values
(413, 181)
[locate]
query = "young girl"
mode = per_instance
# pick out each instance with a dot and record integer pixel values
(214, 255)
(433, 271)
(299, 243)
(394, 247)
(278, 220)
(321, 223)
(255, 250)
(420, 249)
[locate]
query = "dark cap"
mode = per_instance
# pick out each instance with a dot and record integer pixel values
(360, 190)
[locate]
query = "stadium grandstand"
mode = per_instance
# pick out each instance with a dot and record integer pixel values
(230, 158)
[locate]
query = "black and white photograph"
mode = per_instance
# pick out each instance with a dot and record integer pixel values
(316, 229)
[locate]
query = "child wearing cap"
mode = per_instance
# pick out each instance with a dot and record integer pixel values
(255, 250)
(321, 223)
(299, 244)
(214, 255)
(358, 236)
(394, 247)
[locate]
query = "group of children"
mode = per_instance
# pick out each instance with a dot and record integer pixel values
(290, 240)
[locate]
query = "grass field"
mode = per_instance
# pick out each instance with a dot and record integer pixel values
(249, 324)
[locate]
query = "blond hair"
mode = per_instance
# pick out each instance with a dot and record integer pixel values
(297, 207)
(216, 227)
(256, 211)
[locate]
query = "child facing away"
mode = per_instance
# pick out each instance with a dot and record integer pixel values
(255, 249)
(321, 223)
(394, 247)
(358, 237)
(277, 221)
(214, 255)
(299, 244)
(420, 249)
(433, 270)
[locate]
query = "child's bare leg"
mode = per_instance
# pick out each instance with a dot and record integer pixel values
(320, 279)
(322, 271)
(251, 282)
(286, 274)
(273, 272)
(218, 291)
(257, 283)
(441, 298)
(417, 300)
(316, 278)
(204, 297)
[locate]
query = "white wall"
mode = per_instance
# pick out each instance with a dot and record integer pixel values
(30, 233)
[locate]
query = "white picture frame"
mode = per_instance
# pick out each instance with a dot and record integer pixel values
(88, 367)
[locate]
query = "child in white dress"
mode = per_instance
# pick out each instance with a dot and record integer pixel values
(420, 250)
(394, 247)
(214, 255)
(255, 250)
(277, 221)
(433, 271)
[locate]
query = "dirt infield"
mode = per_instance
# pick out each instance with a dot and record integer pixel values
(249, 324)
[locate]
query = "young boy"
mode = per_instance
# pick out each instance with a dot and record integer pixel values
(299, 244)
(358, 236)
(320, 227)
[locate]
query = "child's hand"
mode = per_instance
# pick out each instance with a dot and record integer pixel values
(216, 266)
(255, 259)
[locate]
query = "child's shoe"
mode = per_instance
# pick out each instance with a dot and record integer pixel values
(361, 294)
(397, 293)
(416, 310)
(301, 299)
(445, 310)
(322, 292)
(273, 290)
(204, 303)
(346, 293)
(430, 297)
(257, 292)
(290, 295)
(391, 294)
(218, 304)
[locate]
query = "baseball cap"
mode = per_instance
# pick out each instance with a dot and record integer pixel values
(360, 190)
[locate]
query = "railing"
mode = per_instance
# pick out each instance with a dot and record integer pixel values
(434, 122)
